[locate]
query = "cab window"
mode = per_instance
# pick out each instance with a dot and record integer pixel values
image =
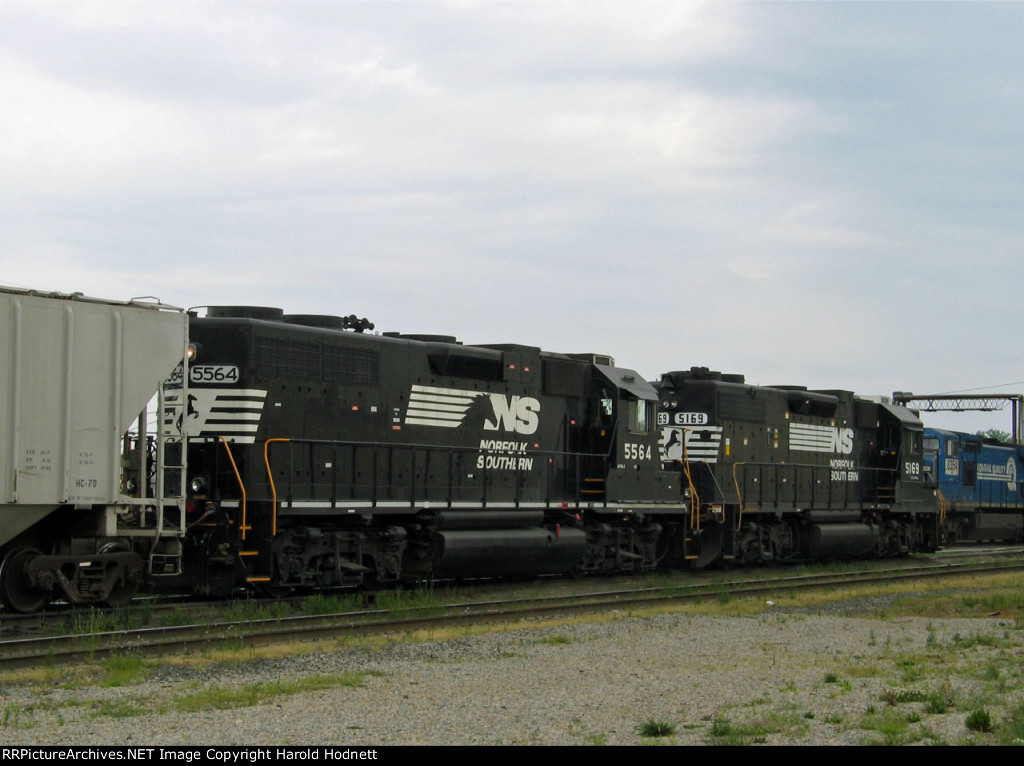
(640, 415)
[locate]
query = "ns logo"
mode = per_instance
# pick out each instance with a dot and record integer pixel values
(520, 414)
(842, 441)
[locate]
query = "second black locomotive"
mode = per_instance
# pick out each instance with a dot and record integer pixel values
(782, 473)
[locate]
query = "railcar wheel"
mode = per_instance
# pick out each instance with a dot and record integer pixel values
(16, 592)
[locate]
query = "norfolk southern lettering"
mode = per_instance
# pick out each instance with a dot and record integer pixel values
(514, 459)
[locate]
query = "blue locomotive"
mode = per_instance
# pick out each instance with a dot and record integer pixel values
(979, 485)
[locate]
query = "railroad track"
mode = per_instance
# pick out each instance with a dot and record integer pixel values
(204, 636)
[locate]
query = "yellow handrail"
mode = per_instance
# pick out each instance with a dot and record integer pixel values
(241, 486)
(694, 497)
(273, 488)
(739, 495)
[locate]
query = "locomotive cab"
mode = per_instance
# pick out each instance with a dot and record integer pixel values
(620, 442)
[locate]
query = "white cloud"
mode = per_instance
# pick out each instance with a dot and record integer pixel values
(773, 188)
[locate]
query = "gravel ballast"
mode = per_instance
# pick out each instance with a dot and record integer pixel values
(776, 678)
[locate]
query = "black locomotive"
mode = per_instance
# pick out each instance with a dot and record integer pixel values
(320, 455)
(782, 473)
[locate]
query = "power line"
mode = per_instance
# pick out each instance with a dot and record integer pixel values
(980, 388)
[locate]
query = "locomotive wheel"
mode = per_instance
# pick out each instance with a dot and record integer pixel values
(120, 594)
(17, 593)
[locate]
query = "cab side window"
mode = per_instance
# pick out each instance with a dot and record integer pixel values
(640, 415)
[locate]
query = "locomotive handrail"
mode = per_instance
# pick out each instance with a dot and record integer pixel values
(739, 495)
(792, 471)
(694, 495)
(455, 457)
(241, 484)
(273, 487)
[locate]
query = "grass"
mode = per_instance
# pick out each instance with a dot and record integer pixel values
(724, 732)
(122, 670)
(11, 717)
(555, 640)
(894, 728)
(249, 695)
(320, 603)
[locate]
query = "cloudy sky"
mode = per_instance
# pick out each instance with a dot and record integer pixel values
(823, 194)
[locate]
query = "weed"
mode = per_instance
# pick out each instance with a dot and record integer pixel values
(1011, 730)
(939, 700)
(991, 673)
(656, 728)
(721, 727)
(90, 622)
(894, 728)
(12, 715)
(251, 610)
(322, 603)
(979, 720)
(893, 697)
(121, 709)
(724, 733)
(831, 678)
(556, 640)
(977, 639)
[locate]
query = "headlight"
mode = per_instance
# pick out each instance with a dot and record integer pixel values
(199, 485)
